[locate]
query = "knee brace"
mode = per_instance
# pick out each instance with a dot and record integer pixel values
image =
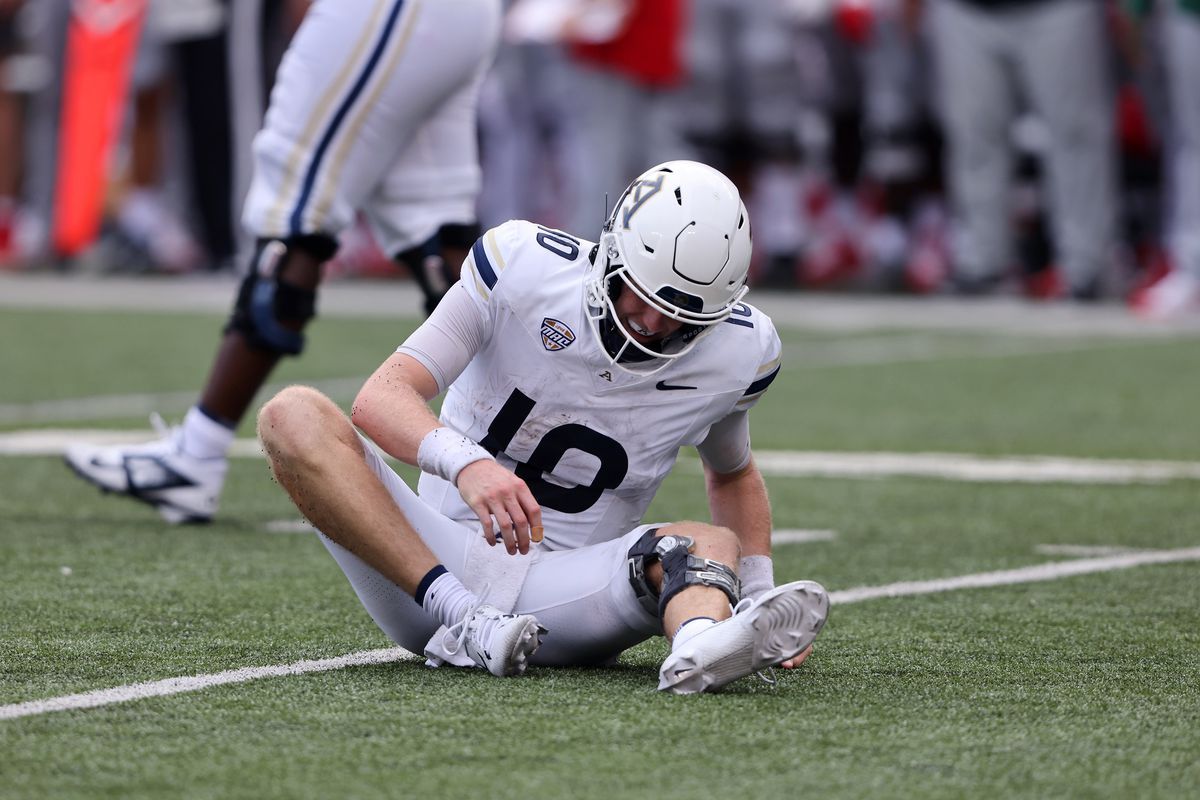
(427, 261)
(680, 568)
(265, 300)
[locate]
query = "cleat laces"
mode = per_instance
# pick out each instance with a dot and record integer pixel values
(455, 635)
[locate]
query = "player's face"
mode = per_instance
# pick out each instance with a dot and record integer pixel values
(645, 323)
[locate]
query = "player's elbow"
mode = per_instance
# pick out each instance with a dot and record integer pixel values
(375, 411)
(362, 412)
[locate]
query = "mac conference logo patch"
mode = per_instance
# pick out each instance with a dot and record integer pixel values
(556, 335)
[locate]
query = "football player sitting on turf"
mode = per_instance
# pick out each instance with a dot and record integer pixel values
(574, 373)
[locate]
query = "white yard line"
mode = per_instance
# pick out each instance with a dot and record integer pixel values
(801, 535)
(907, 349)
(140, 405)
(289, 526)
(966, 467)
(169, 686)
(1006, 577)
(53, 441)
(1083, 550)
(782, 463)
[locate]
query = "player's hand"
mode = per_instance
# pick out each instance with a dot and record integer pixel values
(493, 492)
(797, 659)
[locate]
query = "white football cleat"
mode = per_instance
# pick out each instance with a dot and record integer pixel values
(183, 488)
(502, 643)
(762, 633)
(487, 637)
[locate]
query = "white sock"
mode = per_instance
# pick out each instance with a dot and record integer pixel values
(448, 600)
(203, 436)
(689, 629)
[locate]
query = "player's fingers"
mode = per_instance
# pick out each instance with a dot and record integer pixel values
(520, 526)
(797, 659)
(485, 522)
(504, 520)
(533, 513)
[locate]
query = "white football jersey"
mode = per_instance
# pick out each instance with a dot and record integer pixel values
(592, 441)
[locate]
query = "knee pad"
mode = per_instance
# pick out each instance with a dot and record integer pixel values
(265, 301)
(680, 568)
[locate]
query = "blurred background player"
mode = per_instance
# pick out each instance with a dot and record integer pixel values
(12, 139)
(373, 110)
(625, 57)
(1175, 27)
(197, 98)
(991, 55)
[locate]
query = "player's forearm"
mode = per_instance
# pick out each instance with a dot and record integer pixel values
(738, 501)
(392, 408)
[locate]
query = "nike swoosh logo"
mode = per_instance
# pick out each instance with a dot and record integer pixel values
(668, 387)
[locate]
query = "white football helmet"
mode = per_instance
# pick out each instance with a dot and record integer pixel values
(679, 237)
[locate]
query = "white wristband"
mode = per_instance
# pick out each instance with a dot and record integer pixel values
(444, 452)
(757, 575)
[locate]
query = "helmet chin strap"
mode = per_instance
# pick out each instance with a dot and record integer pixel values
(623, 349)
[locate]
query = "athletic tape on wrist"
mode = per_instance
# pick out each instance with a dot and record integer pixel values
(444, 452)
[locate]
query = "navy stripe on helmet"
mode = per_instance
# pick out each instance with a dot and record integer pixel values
(482, 265)
(762, 383)
(310, 177)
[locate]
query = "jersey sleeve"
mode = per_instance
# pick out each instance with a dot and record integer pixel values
(463, 320)
(487, 261)
(726, 448)
(768, 366)
(446, 342)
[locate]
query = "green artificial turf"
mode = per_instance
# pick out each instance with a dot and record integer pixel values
(1083, 687)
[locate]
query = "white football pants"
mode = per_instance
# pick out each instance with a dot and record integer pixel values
(582, 597)
(374, 110)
